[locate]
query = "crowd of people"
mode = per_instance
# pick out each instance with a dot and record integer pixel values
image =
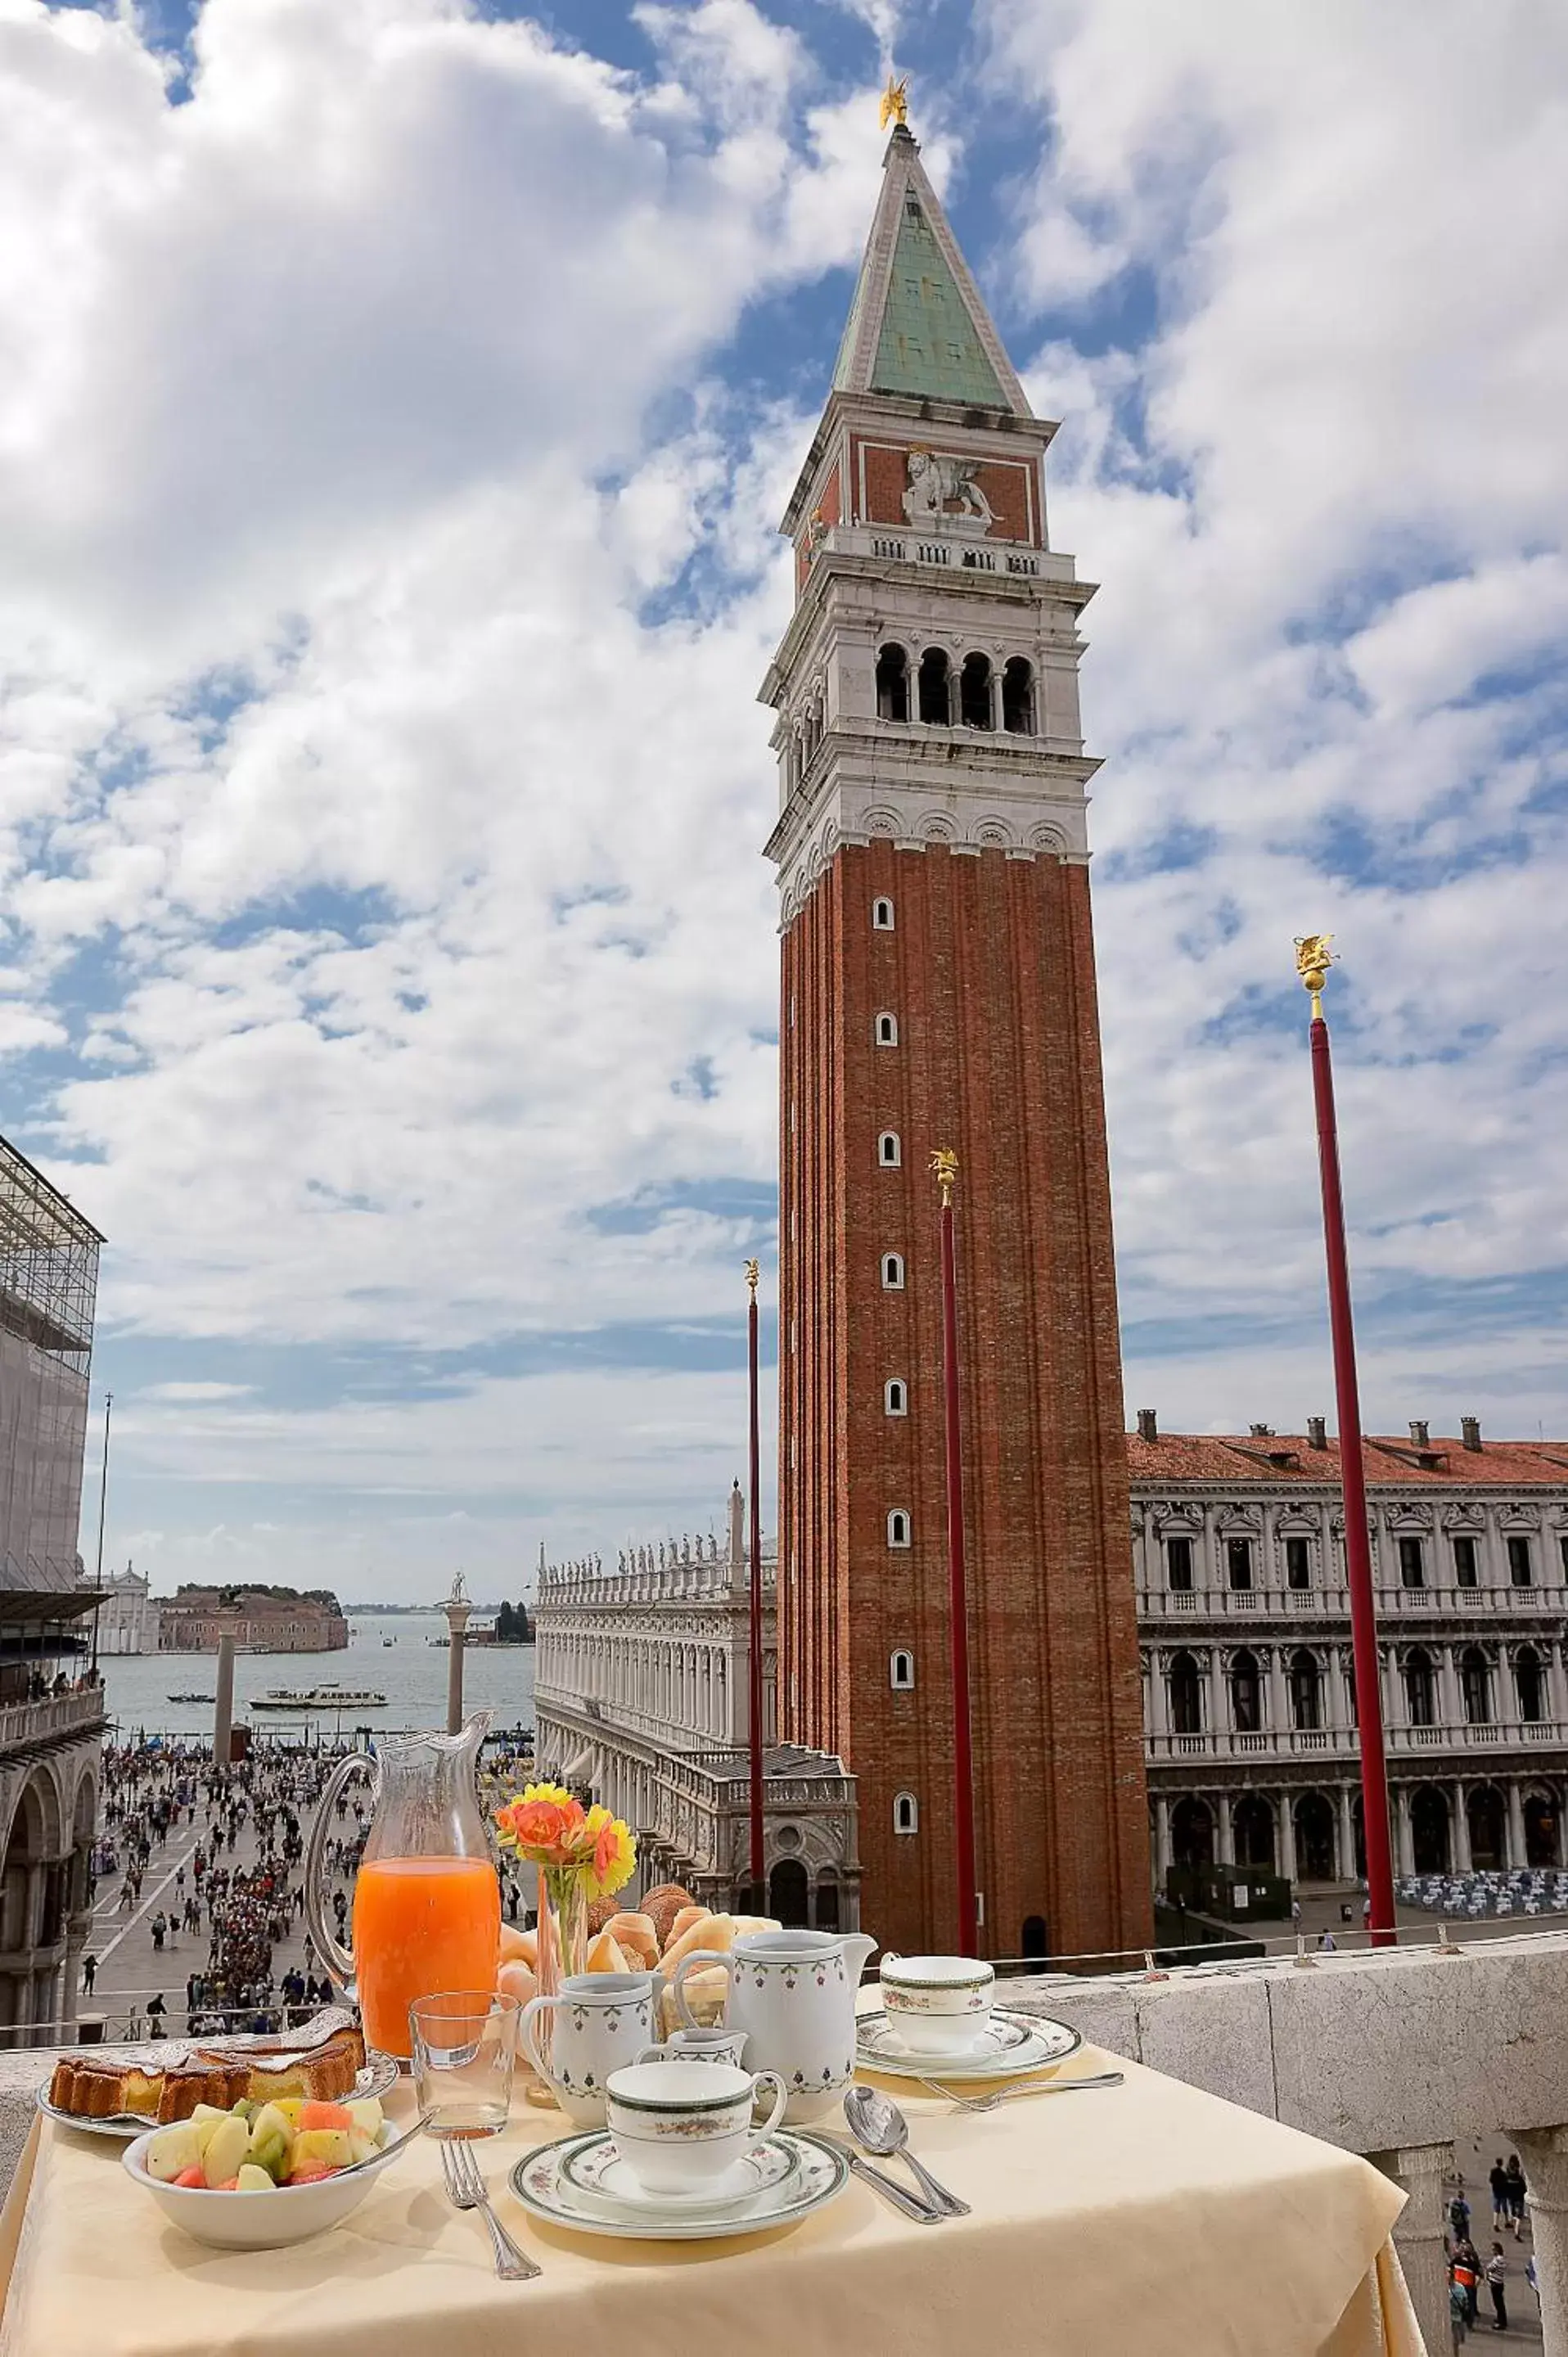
(1468, 2270)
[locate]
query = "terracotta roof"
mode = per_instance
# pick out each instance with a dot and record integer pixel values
(1221, 1461)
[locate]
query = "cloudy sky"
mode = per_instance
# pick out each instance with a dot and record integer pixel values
(397, 400)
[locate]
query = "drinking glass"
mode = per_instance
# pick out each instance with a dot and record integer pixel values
(464, 2045)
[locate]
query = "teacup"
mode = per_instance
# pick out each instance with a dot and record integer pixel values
(937, 2004)
(599, 2023)
(681, 2125)
(699, 2046)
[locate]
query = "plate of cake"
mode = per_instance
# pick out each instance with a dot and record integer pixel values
(121, 2091)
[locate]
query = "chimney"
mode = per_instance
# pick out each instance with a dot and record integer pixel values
(1316, 1432)
(1148, 1424)
(1471, 1432)
(1261, 1431)
(1420, 1433)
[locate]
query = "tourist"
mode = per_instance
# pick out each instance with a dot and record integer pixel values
(1467, 2271)
(89, 1974)
(1516, 2194)
(1459, 2215)
(156, 2009)
(158, 1926)
(1499, 2182)
(1496, 2273)
(1327, 1944)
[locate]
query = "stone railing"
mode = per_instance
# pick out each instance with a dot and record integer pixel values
(1390, 2054)
(26, 1723)
(1394, 1603)
(1343, 1742)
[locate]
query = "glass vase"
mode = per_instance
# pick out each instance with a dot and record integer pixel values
(562, 1949)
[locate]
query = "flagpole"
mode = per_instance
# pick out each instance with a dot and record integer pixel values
(944, 1164)
(103, 1516)
(1313, 959)
(753, 1715)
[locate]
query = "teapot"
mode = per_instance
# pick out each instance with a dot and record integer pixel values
(791, 1993)
(427, 1902)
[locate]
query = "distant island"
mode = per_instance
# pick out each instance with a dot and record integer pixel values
(259, 1619)
(422, 1611)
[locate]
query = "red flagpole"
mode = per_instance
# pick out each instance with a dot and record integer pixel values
(945, 1165)
(758, 1874)
(1313, 961)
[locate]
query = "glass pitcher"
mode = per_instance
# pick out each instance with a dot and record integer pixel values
(427, 1903)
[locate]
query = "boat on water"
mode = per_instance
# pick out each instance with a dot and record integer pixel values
(193, 1698)
(325, 1697)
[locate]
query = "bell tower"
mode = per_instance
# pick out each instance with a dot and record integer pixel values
(939, 991)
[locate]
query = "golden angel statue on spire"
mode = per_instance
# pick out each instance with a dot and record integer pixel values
(896, 103)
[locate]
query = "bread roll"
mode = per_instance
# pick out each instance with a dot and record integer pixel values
(745, 1924)
(662, 1907)
(604, 1955)
(709, 1932)
(517, 1980)
(684, 1919)
(518, 1947)
(635, 1936)
(602, 1911)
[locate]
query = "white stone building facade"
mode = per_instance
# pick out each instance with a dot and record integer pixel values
(1250, 1721)
(127, 1617)
(641, 1693)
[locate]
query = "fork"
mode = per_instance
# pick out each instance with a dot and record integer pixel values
(466, 2190)
(1012, 2094)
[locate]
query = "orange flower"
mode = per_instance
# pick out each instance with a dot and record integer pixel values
(546, 1826)
(614, 1855)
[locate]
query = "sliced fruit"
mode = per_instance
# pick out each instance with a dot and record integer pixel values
(362, 2147)
(290, 2106)
(366, 2114)
(319, 2148)
(191, 2176)
(312, 2174)
(173, 2149)
(251, 2179)
(226, 2149)
(324, 2116)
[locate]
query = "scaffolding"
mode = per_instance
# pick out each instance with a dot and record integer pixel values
(48, 1265)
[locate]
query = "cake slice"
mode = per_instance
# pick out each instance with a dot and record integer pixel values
(166, 2083)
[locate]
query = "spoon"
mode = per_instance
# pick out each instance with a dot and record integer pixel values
(877, 2123)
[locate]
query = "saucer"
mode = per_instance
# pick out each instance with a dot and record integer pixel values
(599, 2168)
(540, 2183)
(1010, 2045)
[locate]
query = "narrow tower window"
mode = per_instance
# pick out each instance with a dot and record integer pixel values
(901, 1673)
(892, 1271)
(889, 1153)
(897, 1528)
(936, 688)
(906, 1814)
(1019, 698)
(974, 693)
(896, 1396)
(881, 916)
(892, 684)
(887, 1031)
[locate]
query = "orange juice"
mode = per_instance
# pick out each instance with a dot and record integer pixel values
(422, 1925)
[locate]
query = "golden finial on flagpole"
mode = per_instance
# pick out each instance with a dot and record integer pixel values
(753, 1276)
(944, 1169)
(1312, 959)
(896, 103)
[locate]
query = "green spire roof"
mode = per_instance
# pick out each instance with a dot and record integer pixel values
(917, 325)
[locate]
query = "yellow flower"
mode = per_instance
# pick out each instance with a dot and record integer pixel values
(614, 1858)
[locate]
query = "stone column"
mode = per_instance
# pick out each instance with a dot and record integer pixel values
(1159, 1693)
(1224, 1836)
(223, 1713)
(1162, 1839)
(1459, 1820)
(1347, 1860)
(1544, 2152)
(1450, 1710)
(1516, 1855)
(1278, 1714)
(1403, 1839)
(1285, 1842)
(1418, 2170)
(1219, 1715)
(456, 1607)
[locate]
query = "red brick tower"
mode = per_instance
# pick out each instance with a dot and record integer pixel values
(938, 990)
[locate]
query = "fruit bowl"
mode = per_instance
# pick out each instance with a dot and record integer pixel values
(263, 2222)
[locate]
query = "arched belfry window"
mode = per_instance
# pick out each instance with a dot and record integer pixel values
(906, 1814)
(896, 1396)
(1018, 697)
(893, 1272)
(974, 693)
(887, 1031)
(881, 916)
(889, 1153)
(898, 1527)
(892, 684)
(901, 1671)
(935, 687)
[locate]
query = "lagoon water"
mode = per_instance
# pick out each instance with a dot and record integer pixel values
(411, 1672)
